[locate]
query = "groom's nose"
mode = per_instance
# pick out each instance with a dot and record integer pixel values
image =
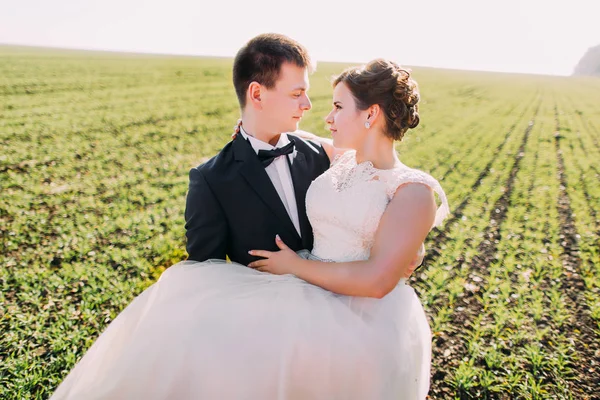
(306, 104)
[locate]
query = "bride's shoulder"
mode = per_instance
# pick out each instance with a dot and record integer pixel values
(403, 175)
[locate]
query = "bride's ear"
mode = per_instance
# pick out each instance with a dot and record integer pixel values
(254, 93)
(373, 113)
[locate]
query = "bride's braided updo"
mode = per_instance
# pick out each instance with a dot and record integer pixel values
(390, 86)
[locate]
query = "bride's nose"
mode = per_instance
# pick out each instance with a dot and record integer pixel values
(329, 118)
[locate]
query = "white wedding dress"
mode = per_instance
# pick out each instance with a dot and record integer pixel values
(217, 330)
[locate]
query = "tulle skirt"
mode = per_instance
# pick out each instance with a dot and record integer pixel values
(217, 330)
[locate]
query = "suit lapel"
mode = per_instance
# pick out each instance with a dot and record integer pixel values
(301, 181)
(256, 176)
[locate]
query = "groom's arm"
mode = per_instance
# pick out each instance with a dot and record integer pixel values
(326, 143)
(205, 224)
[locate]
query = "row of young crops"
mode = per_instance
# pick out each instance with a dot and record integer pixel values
(93, 191)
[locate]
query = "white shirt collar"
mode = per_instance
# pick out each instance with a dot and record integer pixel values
(260, 145)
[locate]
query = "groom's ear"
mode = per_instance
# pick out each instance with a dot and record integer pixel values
(254, 93)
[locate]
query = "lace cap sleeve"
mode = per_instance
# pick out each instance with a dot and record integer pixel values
(409, 175)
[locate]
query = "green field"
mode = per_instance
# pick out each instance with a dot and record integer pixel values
(96, 149)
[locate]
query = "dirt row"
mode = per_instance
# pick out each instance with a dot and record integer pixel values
(450, 348)
(581, 326)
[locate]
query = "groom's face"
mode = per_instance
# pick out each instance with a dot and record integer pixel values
(284, 105)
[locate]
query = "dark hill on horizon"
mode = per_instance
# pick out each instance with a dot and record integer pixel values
(589, 65)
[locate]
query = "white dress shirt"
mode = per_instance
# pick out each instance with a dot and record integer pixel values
(280, 175)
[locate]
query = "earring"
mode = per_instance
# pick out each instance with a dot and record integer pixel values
(367, 124)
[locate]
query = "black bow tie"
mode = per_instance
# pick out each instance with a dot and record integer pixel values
(266, 157)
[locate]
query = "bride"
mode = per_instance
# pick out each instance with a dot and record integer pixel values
(338, 322)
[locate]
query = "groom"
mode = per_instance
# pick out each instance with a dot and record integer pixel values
(255, 188)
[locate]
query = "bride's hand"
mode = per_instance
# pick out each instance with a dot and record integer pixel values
(236, 128)
(276, 262)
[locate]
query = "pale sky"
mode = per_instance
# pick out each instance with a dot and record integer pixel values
(531, 36)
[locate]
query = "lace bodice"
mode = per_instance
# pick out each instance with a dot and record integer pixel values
(345, 204)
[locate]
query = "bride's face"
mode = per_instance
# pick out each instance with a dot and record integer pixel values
(346, 122)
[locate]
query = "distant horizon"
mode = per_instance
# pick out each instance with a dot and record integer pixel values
(165, 54)
(539, 37)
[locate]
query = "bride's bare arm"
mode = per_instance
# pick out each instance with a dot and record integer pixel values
(402, 229)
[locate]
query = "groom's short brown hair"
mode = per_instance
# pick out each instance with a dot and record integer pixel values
(260, 61)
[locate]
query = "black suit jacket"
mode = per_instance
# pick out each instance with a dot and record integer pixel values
(233, 207)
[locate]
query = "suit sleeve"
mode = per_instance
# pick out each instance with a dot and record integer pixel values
(206, 228)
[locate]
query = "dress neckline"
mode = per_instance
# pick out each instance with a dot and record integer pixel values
(369, 164)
